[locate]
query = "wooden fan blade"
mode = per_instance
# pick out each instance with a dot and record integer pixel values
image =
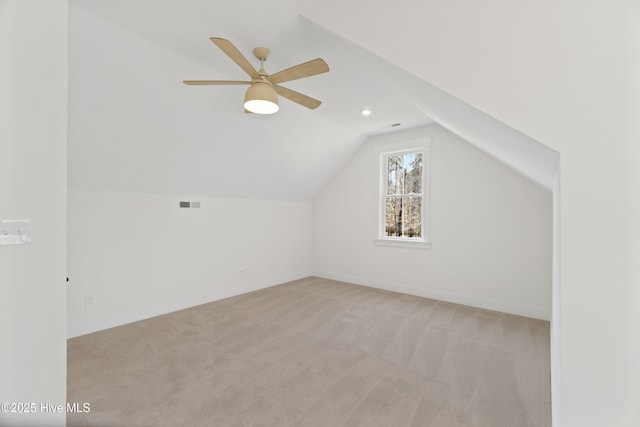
(232, 52)
(214, 82)
(307, 69)
(304, 100)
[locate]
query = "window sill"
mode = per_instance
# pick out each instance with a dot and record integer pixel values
(403, 243)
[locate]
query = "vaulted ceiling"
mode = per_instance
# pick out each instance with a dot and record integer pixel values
(135, 127)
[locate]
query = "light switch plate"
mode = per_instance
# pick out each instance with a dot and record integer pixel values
(15, 232)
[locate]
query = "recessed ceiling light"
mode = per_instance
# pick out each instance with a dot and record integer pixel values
(366, 111)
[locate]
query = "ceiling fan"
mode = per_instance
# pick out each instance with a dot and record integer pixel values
(264, 88)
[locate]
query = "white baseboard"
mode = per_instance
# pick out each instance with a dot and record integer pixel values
(118, 319)
(501, 306)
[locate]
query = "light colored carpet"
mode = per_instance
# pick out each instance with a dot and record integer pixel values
(316, 352)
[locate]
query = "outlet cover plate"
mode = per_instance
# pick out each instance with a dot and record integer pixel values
(15, 232)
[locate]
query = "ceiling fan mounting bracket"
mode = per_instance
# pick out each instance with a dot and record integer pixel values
(262, 53)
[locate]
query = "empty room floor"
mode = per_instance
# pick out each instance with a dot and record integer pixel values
(316, 352)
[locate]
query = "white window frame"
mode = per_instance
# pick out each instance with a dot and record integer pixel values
(416, 146)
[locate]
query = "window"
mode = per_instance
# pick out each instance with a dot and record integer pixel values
(404, 197)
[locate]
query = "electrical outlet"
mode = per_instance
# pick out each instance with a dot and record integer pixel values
(15, 232)
(89, 301)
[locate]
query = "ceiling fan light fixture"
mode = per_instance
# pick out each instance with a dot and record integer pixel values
(261, 98)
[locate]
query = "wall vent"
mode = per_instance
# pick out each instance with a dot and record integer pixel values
(192, 205)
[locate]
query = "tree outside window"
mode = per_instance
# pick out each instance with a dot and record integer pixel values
(404, 196)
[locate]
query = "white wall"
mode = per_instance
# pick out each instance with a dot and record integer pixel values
(138, 140)
(140, 255)
(491, 230)
(566, 74)
(33, 139)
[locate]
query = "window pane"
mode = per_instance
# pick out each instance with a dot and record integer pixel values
(395, 175)
(413, 174)
(413, 217)
(403, 217)
(403, 195)
(393, 214)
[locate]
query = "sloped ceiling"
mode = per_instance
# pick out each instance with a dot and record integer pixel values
(482, 64)
(135, 127)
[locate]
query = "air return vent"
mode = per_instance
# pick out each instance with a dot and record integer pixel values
(190, 205)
